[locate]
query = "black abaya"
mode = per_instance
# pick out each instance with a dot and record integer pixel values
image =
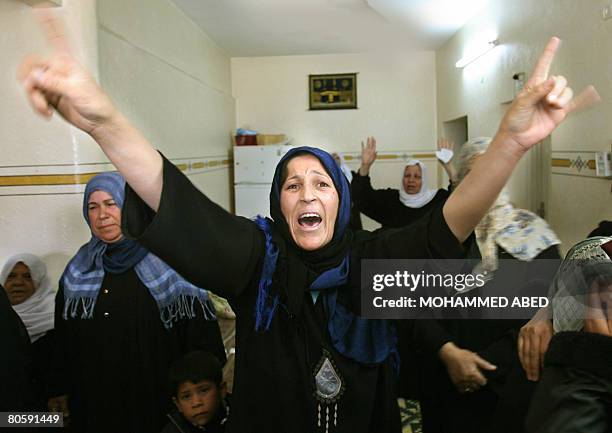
(115, 364)
(15, 359)
(274, 380)
(384, 205)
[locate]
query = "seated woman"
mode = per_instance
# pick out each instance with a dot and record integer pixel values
(392, 207)
(15, 359)
(575, 392)
(30, 293)
(306, 361)
(122, 317)
(480, 358)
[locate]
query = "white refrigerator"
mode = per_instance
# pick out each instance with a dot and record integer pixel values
(253, 172)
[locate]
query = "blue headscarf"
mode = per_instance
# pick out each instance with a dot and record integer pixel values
(82, 278)
(366, 341)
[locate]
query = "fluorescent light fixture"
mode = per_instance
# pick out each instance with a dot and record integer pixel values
(476, 54)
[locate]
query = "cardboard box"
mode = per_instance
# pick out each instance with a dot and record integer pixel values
(263, 139)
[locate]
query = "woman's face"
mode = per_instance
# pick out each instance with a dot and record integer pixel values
(104, 217)
(412, 179)
(19, 285)
(309, 202)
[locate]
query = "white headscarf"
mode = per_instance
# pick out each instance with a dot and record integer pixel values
(421, 198)
(345, 169)
(37, 312)
(520, 232)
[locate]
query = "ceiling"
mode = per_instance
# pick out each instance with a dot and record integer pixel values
(248, 28)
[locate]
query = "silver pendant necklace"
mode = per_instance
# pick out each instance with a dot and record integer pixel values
(329, 388)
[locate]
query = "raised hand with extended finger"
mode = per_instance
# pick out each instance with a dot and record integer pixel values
(543, 104)
(59, 83)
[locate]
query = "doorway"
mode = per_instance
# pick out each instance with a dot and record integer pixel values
(455, 130)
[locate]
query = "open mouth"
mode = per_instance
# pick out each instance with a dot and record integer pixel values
(17, 291)
(309, 220)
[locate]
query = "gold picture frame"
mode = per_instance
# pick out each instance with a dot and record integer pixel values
(333, 91)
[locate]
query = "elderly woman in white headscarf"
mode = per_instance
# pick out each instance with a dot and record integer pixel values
(30, 293)
(398, 207)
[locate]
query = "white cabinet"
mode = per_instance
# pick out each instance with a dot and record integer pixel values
(253, 172)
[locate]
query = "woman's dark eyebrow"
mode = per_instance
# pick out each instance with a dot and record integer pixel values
(320, 174)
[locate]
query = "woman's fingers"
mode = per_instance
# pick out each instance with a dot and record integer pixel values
(562, 101)
(49, 81)
(28, 64)
(585, 99)
(54, 30)
(480, 363)
(532, 352)
(483, 363)
(523, 352)
(36, 98)
(559, 87)
(478, 378)
(542, 68)
(544, 342)
(533, 95)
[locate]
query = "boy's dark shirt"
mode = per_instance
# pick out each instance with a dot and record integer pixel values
(179, 424)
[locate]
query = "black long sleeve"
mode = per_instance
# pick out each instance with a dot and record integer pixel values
(204, 243)
(369, 201)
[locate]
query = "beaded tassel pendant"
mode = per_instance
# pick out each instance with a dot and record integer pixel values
(329, 388)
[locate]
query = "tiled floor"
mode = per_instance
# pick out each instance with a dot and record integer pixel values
(410, 412)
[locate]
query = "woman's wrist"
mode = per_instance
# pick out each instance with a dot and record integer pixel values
(508, 146)
(364, 170)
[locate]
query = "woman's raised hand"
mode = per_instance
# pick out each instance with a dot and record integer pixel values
(368, 156)
(59, 83)
(538, 109)
(543, 103)
(449, 167)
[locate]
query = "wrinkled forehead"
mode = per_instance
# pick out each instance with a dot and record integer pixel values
(99, 195)
(412, 169)
(303, 165)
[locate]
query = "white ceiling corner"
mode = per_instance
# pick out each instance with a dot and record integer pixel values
(246, 28)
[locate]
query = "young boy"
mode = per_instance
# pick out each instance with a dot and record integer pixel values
(196, 381)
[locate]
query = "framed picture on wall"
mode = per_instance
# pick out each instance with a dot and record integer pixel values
(333, 91)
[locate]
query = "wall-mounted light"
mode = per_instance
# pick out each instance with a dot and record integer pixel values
(476, 53)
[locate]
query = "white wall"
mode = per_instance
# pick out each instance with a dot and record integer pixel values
(42, 220)
(395, 94)
(577, 203)
(172, 81)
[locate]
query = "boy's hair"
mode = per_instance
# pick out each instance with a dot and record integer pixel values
(195, 367)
